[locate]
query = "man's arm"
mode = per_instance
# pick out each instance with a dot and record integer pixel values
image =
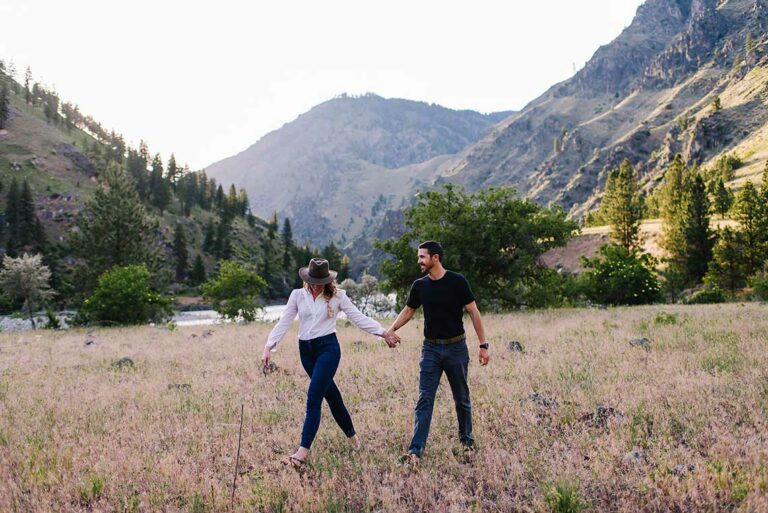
(477, 322)
(402, 319)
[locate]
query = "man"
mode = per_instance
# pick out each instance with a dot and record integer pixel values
(444, 295)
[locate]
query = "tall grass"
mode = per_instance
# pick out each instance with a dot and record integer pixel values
(579, 421)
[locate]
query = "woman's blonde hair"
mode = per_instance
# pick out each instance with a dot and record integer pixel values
(329, 290)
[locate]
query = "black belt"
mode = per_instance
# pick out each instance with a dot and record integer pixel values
(443, 341)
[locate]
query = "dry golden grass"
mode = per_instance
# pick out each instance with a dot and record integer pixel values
(77, 434)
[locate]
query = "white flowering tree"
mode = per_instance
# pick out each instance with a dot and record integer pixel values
(26, 280)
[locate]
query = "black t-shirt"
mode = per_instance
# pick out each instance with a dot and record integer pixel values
(444, 301)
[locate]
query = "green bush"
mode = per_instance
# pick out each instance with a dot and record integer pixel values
(124, 296)
(759, 284)
(235, 291)
(621, 277)
(707, 296)
(564, 497)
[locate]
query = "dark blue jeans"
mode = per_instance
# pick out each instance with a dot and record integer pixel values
(453, 359)
(320, 358)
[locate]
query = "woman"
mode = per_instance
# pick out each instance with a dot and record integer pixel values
(317, 306)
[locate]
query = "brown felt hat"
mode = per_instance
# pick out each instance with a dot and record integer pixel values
(317, 273)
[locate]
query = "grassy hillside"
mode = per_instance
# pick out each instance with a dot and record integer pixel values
(60, 166)
(677, 427)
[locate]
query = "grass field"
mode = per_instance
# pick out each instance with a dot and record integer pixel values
(580, 420)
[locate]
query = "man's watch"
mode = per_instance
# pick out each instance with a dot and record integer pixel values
(485, 345)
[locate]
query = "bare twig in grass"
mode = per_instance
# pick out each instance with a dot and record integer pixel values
(237, 459)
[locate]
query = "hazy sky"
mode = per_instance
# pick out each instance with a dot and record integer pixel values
(207, 79)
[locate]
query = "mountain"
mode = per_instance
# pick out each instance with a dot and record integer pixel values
(337, 168)
(646, 96)
(686, 76)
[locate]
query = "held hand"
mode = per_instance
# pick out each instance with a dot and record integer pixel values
(484, 357)
(391, 338)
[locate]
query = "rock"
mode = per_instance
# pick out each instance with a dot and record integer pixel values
(89, 341)
(515, 346)
(207, 333)
(641, 342)
(635, 457)
(599, 418)
(682, 470)
(183, 387)
(541, 400)
(602, 307)
(123, 363)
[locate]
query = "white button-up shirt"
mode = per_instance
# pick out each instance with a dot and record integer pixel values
(317, 317)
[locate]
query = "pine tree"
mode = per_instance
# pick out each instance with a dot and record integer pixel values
(159, 188)
(726, 269)
(333, 255)
(27, 217)
(223, 245)
(698, 234)
(27, 91)
(209, 238)
(180, 253)
(287, 238)
(12, 199)
(197, 275)
(673, 195)
(723, 199)
(219, 199)
(622, 206)
(114, 229)
(344, 270)
(272, 227)
(5, 106)
(750, 212)
(173, 171)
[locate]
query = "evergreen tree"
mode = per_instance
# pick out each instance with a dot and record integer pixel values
(5, 105)
(272, 227)
(231, 207)
(209, 239)
(723, 199)
(114, 229)
(287, 238)
(12, 200)
(27, 91)
(622, 206)
(726, 269)
(223, 245)
(333, 255)
(698, 234)
(173, 171)
(219, 199)
(344, 269)
(197, 275)
(180, 253)
(750, 212)
(673, 196)
(159, 188)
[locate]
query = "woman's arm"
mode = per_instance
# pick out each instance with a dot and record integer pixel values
(359, 319)
(289, 314)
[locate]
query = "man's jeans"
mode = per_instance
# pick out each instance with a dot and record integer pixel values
(453, 359)
(320, 358)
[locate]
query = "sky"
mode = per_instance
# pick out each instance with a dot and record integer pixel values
(205, 80)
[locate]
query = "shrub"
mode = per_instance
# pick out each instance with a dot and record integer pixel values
(124, 296)
(707, 296)
(563, 497)
(621, 277)
(235, 291)
(759, 284)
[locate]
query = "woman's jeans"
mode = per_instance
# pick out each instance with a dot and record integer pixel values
(453, 359)
(320, 358)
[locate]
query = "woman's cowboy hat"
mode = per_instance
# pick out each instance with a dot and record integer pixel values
(317, 273)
